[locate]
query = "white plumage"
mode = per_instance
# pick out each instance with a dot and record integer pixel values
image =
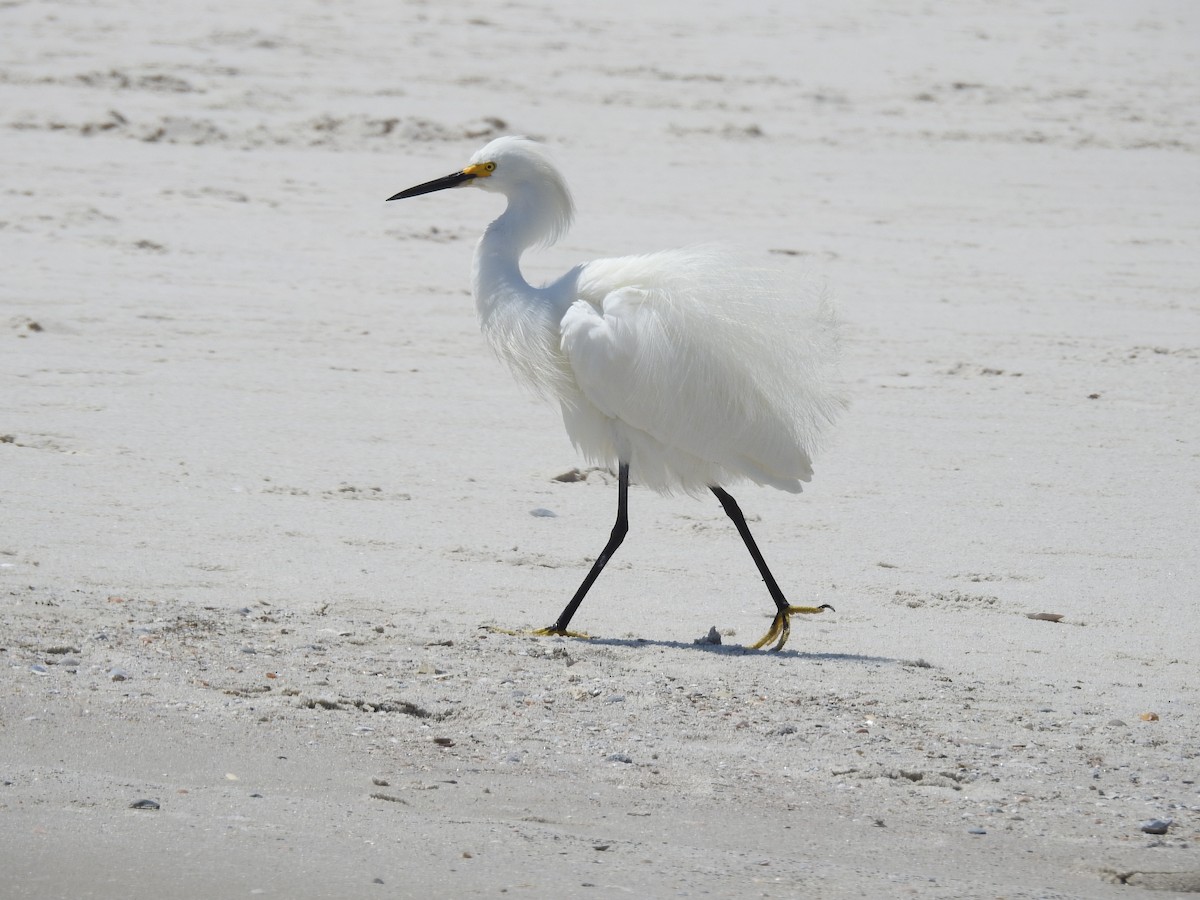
(684, 369)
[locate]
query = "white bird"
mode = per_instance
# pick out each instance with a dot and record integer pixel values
(689, 368)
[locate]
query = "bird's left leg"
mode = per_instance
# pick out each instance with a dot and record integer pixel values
(781, 625)
(619, 530)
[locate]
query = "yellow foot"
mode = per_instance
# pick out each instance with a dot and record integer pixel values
(560, 632)
(781, 625)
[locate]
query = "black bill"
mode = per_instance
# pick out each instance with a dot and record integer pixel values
(438, 184)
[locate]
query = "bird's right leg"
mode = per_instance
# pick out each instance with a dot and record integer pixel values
(620, 529)
(781, 625)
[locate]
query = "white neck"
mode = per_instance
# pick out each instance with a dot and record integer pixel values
(521, 322)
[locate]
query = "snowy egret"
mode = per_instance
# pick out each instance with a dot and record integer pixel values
(691, 369)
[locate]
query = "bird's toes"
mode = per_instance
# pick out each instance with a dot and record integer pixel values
(777, 625)
(555, 631)
(785, 632)
(496, 629)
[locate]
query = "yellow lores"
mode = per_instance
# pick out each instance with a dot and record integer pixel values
(480, 170)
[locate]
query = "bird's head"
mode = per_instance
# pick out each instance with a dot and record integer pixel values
(522, 170)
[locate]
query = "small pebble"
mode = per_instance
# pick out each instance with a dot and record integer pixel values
(118, 674)
(1045, 617)
(713, 637)
(619, 757)
(976, 831)
(144, 804)
(1157, 826)
(38, 669)
(542, 513)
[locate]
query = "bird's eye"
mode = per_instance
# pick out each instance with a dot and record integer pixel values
(489, 167)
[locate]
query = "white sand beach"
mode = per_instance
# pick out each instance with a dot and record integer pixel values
(263, 488)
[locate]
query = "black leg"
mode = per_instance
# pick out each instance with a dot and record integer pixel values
(620, 529)
(781, 626)
(735, 513)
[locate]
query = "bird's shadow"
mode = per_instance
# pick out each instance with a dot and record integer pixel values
(735, 650)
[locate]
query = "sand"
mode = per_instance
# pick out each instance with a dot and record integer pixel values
(263, 488)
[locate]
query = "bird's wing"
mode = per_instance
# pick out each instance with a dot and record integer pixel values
(666, 345)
